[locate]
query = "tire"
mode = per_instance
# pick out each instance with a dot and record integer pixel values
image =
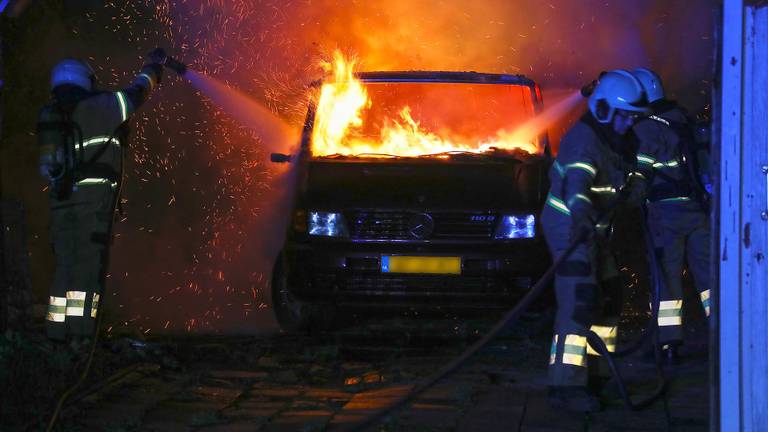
(294, 315)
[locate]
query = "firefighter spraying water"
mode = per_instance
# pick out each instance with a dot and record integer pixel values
(82, 136)
(586, 178)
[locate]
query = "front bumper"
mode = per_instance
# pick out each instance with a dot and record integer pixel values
(344, 273)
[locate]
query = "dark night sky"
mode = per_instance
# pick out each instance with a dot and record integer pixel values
(201, 197)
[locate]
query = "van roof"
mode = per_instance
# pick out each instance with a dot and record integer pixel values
(446, 77)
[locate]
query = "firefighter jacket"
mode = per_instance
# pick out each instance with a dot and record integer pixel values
(589, 171)
(82, 132)
(664, 172)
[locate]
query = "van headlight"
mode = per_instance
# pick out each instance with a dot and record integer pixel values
(326, 224)
(516, 227)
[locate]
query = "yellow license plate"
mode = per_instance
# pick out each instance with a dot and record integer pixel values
(421, 264)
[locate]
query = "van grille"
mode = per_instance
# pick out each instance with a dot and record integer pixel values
(403, 225)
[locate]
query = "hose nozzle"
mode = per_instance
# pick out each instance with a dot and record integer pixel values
(159, 56)
(588, 89)
(175, 65)
(280, 158)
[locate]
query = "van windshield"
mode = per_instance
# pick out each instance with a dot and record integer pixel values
(412, 119)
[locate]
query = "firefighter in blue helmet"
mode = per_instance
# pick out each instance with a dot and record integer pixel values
(673, 178)
(82, 134)
(586, 178)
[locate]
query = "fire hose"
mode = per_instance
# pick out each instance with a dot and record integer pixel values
(651, 331)
(592, 338)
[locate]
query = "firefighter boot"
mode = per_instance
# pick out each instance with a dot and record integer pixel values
(670, 354)
(575, 399)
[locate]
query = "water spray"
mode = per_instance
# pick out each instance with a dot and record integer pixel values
(550, 116)
(275, 133)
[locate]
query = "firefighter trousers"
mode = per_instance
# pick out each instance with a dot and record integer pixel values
(80, 233)
(588, 291)
(681, 234)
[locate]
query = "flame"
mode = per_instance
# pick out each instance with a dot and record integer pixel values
(341, 115)
(341, 104)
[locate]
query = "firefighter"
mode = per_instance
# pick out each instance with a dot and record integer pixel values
(673, 179)
(82, 134)
(586, 178)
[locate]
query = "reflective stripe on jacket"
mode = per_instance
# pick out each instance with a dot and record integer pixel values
(586, 175)
(659, 158)
(93, 122)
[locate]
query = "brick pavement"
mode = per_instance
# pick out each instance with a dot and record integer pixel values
(300, 385)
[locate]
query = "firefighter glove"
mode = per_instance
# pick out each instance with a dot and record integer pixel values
(51, 172)
(582, 228)
(157, 55)
(633, 193)
(49, 168)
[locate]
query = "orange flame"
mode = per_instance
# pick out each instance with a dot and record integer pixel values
(341, 114)
(341, 103)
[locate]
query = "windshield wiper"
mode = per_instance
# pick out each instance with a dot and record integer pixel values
(493, 153)
(361, 155)
(459, 153)
(386, 155)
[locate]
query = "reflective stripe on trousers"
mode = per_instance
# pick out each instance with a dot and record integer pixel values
(574, 345)
(705, 301)
(94, 305)
(670, 313)
(75, 303)
(608, 335)
(574, 350)
(57, 307)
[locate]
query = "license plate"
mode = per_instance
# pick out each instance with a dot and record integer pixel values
(421, 264)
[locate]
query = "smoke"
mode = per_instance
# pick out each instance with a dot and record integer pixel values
(206, 212)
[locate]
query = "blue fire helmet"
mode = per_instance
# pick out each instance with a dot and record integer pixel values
(651, 83)
(617, 90)
(74, 72)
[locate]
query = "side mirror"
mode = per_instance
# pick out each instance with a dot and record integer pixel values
(279, 158)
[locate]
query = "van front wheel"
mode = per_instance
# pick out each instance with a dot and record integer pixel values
(292, 314)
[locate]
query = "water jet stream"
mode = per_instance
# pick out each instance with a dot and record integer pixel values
(275, 133)
(547, 118)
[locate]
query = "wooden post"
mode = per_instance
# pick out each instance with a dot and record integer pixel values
(743, 219)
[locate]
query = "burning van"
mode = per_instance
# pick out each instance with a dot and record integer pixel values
(415, 190)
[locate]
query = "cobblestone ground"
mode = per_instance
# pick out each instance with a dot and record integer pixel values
(328, 381)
